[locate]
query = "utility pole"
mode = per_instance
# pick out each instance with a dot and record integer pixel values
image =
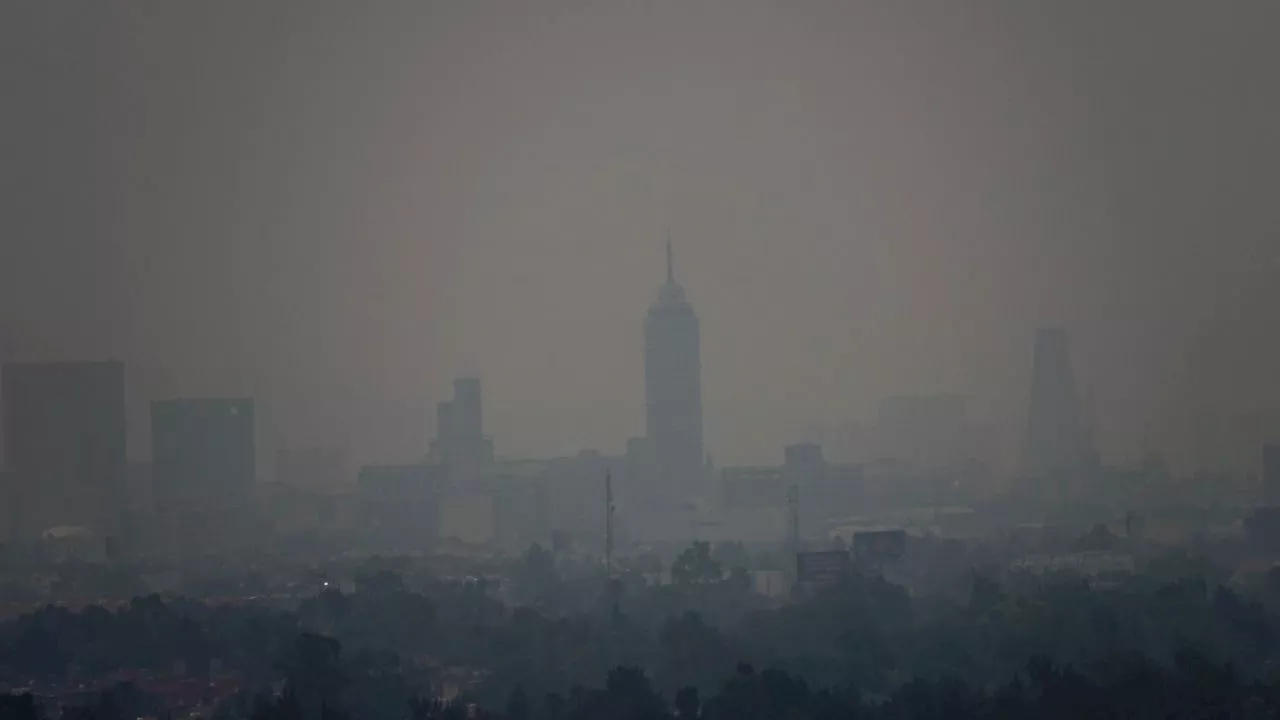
(610, 585)
(793, 527)
(608, 525)
(793, 507)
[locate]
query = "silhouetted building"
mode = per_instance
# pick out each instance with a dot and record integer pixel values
(756, 500)
(1262, 530)
(753, 487)
(65, 445)
(826, 491)
(401, 505)
(1057, 438)
(805, 469)
(521, 511)
(460, 439)
(673, 391)
(575, 494)
(204, 470)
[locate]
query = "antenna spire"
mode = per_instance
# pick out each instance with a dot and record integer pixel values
(671, 273)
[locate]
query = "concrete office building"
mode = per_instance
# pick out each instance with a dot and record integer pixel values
(1057, 438)
(460, 443)
(65, 445)
(204, 470)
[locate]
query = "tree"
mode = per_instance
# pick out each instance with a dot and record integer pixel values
(985, 594)
(629, 696)
(537, 571)
(693, 653)
(687, 702)
(695, 565)
(381, 583)
(731, 554)
(19, 707)
(314, 674)
(518, 704)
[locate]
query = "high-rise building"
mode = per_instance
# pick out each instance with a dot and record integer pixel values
(65, 445)
(460, 439)
(401, 505)
(204, 468)
(1057, 436)
(673, 390)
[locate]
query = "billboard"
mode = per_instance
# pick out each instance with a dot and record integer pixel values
(877, 545)
(821, 568)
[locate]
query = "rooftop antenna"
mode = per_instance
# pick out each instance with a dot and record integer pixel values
(608, 524)
(611, 589)
(793, 511)
(671, 273)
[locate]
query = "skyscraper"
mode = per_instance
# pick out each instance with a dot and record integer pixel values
(204, 469)
(460, 439)
(1057, 437)
(203, 452)
(65, 442)
(673, 390)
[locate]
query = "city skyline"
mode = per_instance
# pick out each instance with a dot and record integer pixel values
(869, 202)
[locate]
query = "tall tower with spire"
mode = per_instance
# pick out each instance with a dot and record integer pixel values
(673, 390)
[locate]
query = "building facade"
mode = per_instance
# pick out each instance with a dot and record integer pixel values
(401, 505)
(204, 470)
(460, 443)
(65, 445)
(1057, 438)
(673, 391)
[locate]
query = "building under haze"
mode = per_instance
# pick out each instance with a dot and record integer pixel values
(65, 445)
(460, 441)
(673, 391)
(204, 470)
(1058, 439)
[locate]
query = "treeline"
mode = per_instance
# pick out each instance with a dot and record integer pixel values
(1134, 687)
(866, 634)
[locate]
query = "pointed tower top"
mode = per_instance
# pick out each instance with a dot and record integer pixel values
(671, 273)
(670, 293)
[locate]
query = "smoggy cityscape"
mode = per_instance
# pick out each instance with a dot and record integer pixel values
(573, 361)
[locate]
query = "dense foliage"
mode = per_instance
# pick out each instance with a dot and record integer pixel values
(864, 649)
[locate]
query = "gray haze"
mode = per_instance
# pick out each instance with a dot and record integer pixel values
(338, 209)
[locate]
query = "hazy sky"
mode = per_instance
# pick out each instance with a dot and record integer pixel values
(339, 206)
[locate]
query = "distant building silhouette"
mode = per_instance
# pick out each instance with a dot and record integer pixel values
(460, 439)
(673, 390)
(1057, 438)
(204, 469)
(65, 445)
(401, 504)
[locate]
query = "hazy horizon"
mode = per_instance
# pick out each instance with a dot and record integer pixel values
(336, 210)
